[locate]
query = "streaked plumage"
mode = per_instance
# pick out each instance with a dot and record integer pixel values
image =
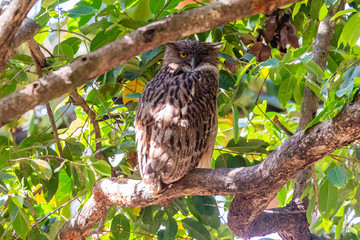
(176, 118)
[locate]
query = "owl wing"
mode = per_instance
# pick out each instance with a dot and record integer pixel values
(176, 124)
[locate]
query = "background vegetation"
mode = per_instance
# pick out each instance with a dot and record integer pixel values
(264, 66)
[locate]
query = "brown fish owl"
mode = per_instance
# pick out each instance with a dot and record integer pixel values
(176, 118)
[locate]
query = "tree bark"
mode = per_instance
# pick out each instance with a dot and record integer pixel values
(88, 67)
(10, 21)
(255, 186)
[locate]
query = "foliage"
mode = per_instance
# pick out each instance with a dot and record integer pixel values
(41, 190)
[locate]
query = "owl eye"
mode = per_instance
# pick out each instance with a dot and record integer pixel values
(183, 55)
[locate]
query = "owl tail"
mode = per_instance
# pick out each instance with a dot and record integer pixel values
(152, 179)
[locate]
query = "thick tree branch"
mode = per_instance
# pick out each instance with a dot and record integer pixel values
(11, 34)
(257, 184)
(171, 28)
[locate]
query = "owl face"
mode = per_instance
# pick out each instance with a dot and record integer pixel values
(189, 55)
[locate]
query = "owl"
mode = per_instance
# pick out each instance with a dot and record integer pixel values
(176, 117)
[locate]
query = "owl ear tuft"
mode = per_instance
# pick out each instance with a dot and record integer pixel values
(172, 45)
(216, 46)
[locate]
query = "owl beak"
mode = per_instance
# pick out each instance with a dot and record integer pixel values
(193, 65)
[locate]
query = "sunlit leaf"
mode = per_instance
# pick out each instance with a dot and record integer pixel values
(102, 168)
(351, 31)
(132, 91)
(42, 168)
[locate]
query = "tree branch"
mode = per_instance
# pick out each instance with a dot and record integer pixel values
(118, 52)
(11, 34)
(256, 185)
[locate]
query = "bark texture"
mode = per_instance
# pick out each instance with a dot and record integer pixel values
(254, 186)
(10, 35)
(88, 67)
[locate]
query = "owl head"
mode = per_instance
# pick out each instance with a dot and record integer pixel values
(189, 55)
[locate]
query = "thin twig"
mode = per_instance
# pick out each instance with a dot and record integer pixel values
(277, 122)
(315, 189)
(47, 215)
(256, 104)
(92, 116)
(353, 159)
(162, 10)
(53, 126)
(46, 50)
(199, 2)
(62, 114)
(63, 30)
(39, 62)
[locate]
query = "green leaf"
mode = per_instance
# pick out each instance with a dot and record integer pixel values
(236, 115)
(227, 160)
(7, 87)
(337, 176)
(6, 176)
(327, 199)
(281, 196)
(228, 58)
(296, 9)
(170, 231)
(205, 209)
(195, 229)
(103, 38)
(248, 146)
(140, 11)
(146, 57)
(313, 86)
(342, 12)
(42, 168)
(74, 43)
(328, 113)
(313, 68)
(75, 23)
(94, 26)
(348, 84)
(286, 90)
(102, 167)
(226, 81)
(73, 150)
(260, 109)
(132, 24)
(80, 11)
(156, 6)
(50, 187)
(351, 31)
(323, 12)
(179, 203)
(154, 227)
(63, 50)
(89, 178)
(271, 63)
(18, 200)
(21, 224)
(120, 227)
(315, 9)
(64, 188)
